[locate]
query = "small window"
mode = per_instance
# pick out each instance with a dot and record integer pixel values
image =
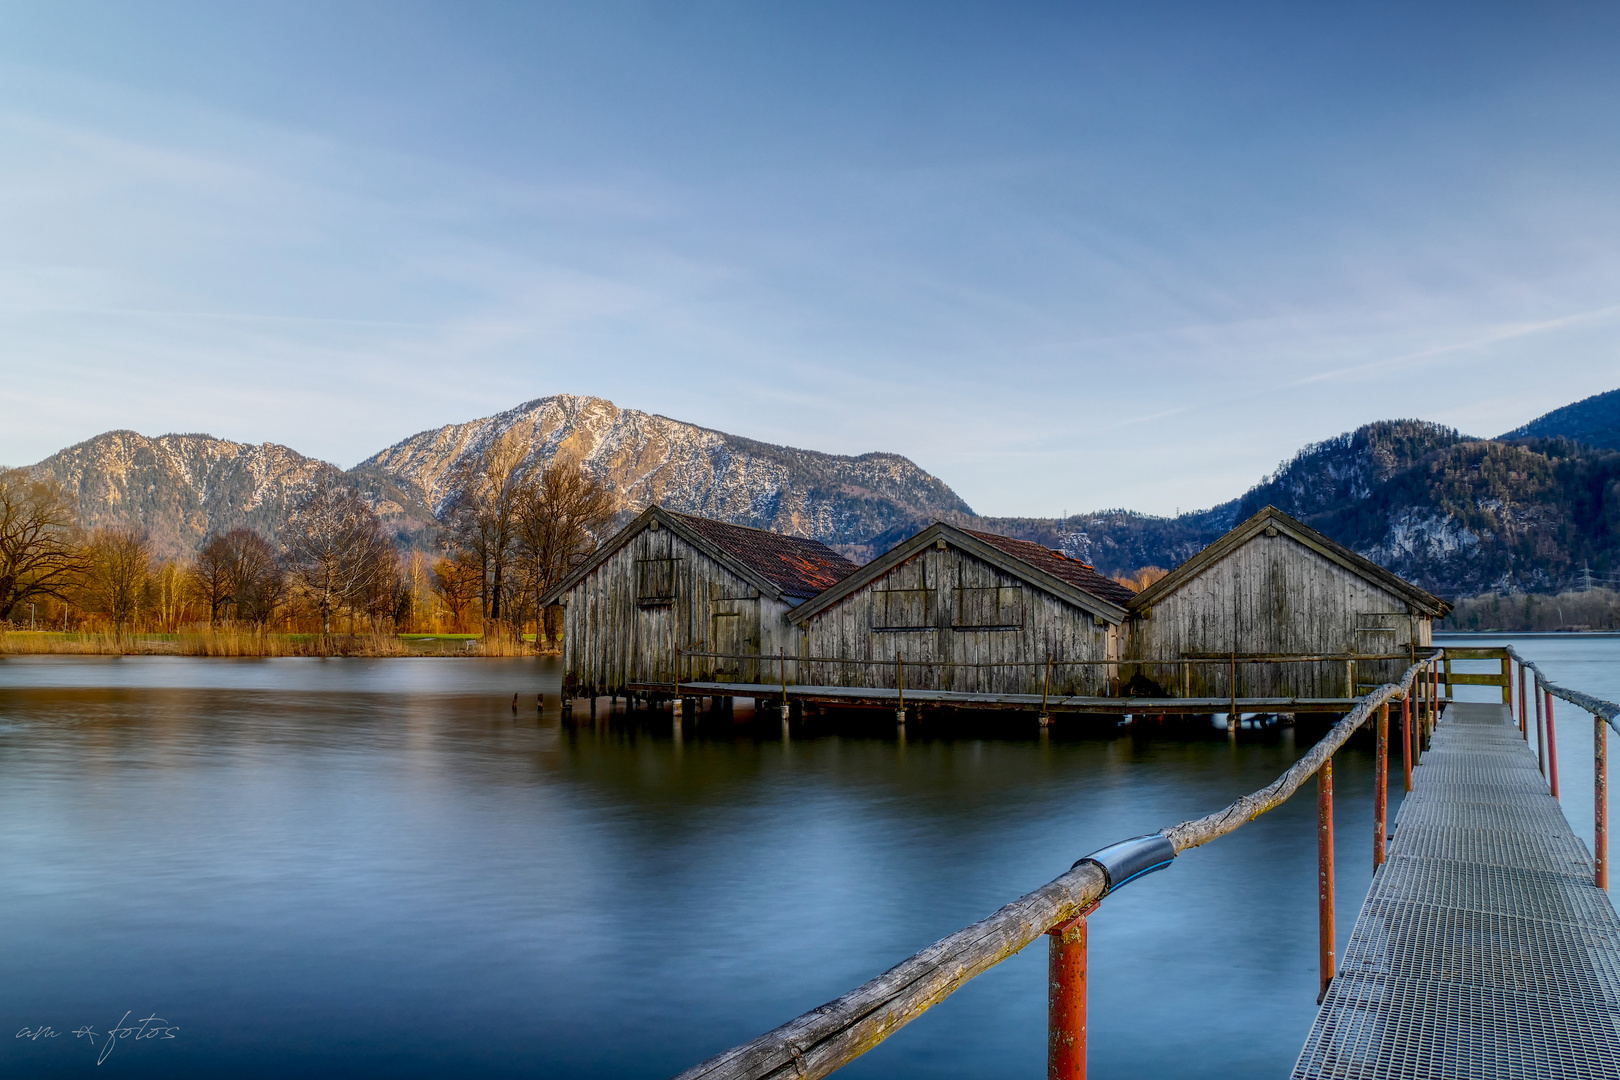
(994, 608)
(903, 609)
(657, 581)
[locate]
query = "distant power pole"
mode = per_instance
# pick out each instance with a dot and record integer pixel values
(1586, 577)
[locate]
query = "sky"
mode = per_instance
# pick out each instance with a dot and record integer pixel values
(1067, 257)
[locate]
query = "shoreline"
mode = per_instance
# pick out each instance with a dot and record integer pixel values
(230, 644)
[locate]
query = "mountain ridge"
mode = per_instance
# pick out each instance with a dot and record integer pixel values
(1453, 513)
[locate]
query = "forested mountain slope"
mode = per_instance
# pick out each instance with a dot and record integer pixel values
(1594, 421)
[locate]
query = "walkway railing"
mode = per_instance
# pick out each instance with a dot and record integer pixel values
(824, 1039)
(1604, 714)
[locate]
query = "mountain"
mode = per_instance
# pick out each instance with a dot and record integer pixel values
(645, 458)
(1455, 514)
(181, 488)
(1594, 421)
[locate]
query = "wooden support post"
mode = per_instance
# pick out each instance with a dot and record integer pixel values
(1066, 1000)
(1450, 690)
(1232, 717)
(1600, 800)
(1046, 690)
(1381, 786)
(1326, 942)
(1406, 737)
(900, 689)
(1552, 749)
(1507, 681)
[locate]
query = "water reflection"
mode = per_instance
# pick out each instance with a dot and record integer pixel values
(373, 867)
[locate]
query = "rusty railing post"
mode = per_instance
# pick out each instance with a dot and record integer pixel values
(1324, 875)
(1552, 749)
(1524, 729)
(1406, 735)
(1066, 1000)
(1541, 729)
(1381, 786)
(1600, 800)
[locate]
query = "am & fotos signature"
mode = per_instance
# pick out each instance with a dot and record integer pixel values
(152, 1027)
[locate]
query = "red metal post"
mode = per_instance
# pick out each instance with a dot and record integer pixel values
(1381, 786)
(1600, 800)
(1523, 728)
(1066, 1000)
(1324, 874)
(1406, 737)
(1541, 732)
(1552, 749)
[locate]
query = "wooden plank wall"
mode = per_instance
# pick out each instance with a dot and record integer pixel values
(613, 634)
(1275, 595)
(950, 606)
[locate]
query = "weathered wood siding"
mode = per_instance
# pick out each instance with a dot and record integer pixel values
(623, 622)
(949, 609)
(1274, 595)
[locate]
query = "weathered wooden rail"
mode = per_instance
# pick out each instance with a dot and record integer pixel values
(826, 1038)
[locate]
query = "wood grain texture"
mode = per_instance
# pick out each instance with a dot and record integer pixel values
(943, 610)
(1274, 595)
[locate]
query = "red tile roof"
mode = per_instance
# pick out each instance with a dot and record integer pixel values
(1075, 572)
(799, 567)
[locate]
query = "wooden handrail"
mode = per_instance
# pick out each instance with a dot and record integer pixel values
(1607, 710)
(816, 1043)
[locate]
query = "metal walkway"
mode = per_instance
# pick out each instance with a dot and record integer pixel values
(1483, 949)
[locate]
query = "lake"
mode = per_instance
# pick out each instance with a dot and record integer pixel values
(374, 868)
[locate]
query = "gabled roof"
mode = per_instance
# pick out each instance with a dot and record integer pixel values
(1273, 518)
(780, 567)
(1067, 579)
(1075, 572)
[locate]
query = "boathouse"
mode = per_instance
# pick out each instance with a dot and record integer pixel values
(669, 582)
(965, 611)
(1270, 590)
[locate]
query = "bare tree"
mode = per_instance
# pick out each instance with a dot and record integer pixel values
(560, 516)
(39, 553)
(338, 552)
(484, 514)
(238, 569)
(457, 581)
(117, 572)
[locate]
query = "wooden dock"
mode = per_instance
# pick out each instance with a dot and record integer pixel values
(889, 697)
(1484, 949)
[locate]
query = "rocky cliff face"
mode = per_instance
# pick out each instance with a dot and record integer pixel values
(182, 488)
(644, 458)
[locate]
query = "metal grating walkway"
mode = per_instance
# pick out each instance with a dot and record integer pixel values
(1483, 949)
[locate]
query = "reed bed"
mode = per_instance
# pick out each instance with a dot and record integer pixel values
(249, 643)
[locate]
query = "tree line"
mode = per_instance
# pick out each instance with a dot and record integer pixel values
(513, 530)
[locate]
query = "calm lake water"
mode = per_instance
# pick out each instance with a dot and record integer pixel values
(372, 868)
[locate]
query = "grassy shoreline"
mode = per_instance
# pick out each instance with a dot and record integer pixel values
(234, 643)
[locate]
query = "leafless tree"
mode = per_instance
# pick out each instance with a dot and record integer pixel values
(338, 553)
(238, 569)
(484, 515)
(457, 581)
(117, 572)
(39, 552)
(560, 516)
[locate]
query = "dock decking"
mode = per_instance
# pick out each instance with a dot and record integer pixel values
(1483, 949)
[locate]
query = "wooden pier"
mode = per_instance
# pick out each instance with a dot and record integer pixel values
(1487, 946)
(1484, 948)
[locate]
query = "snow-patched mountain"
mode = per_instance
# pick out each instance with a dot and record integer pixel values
(645, 458)
(181, 488)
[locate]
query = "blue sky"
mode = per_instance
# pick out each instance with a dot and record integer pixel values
(1065, 256)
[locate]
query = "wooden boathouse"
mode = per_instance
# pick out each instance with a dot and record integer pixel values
(1275, 589)
(965, 612)
(669, 583)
